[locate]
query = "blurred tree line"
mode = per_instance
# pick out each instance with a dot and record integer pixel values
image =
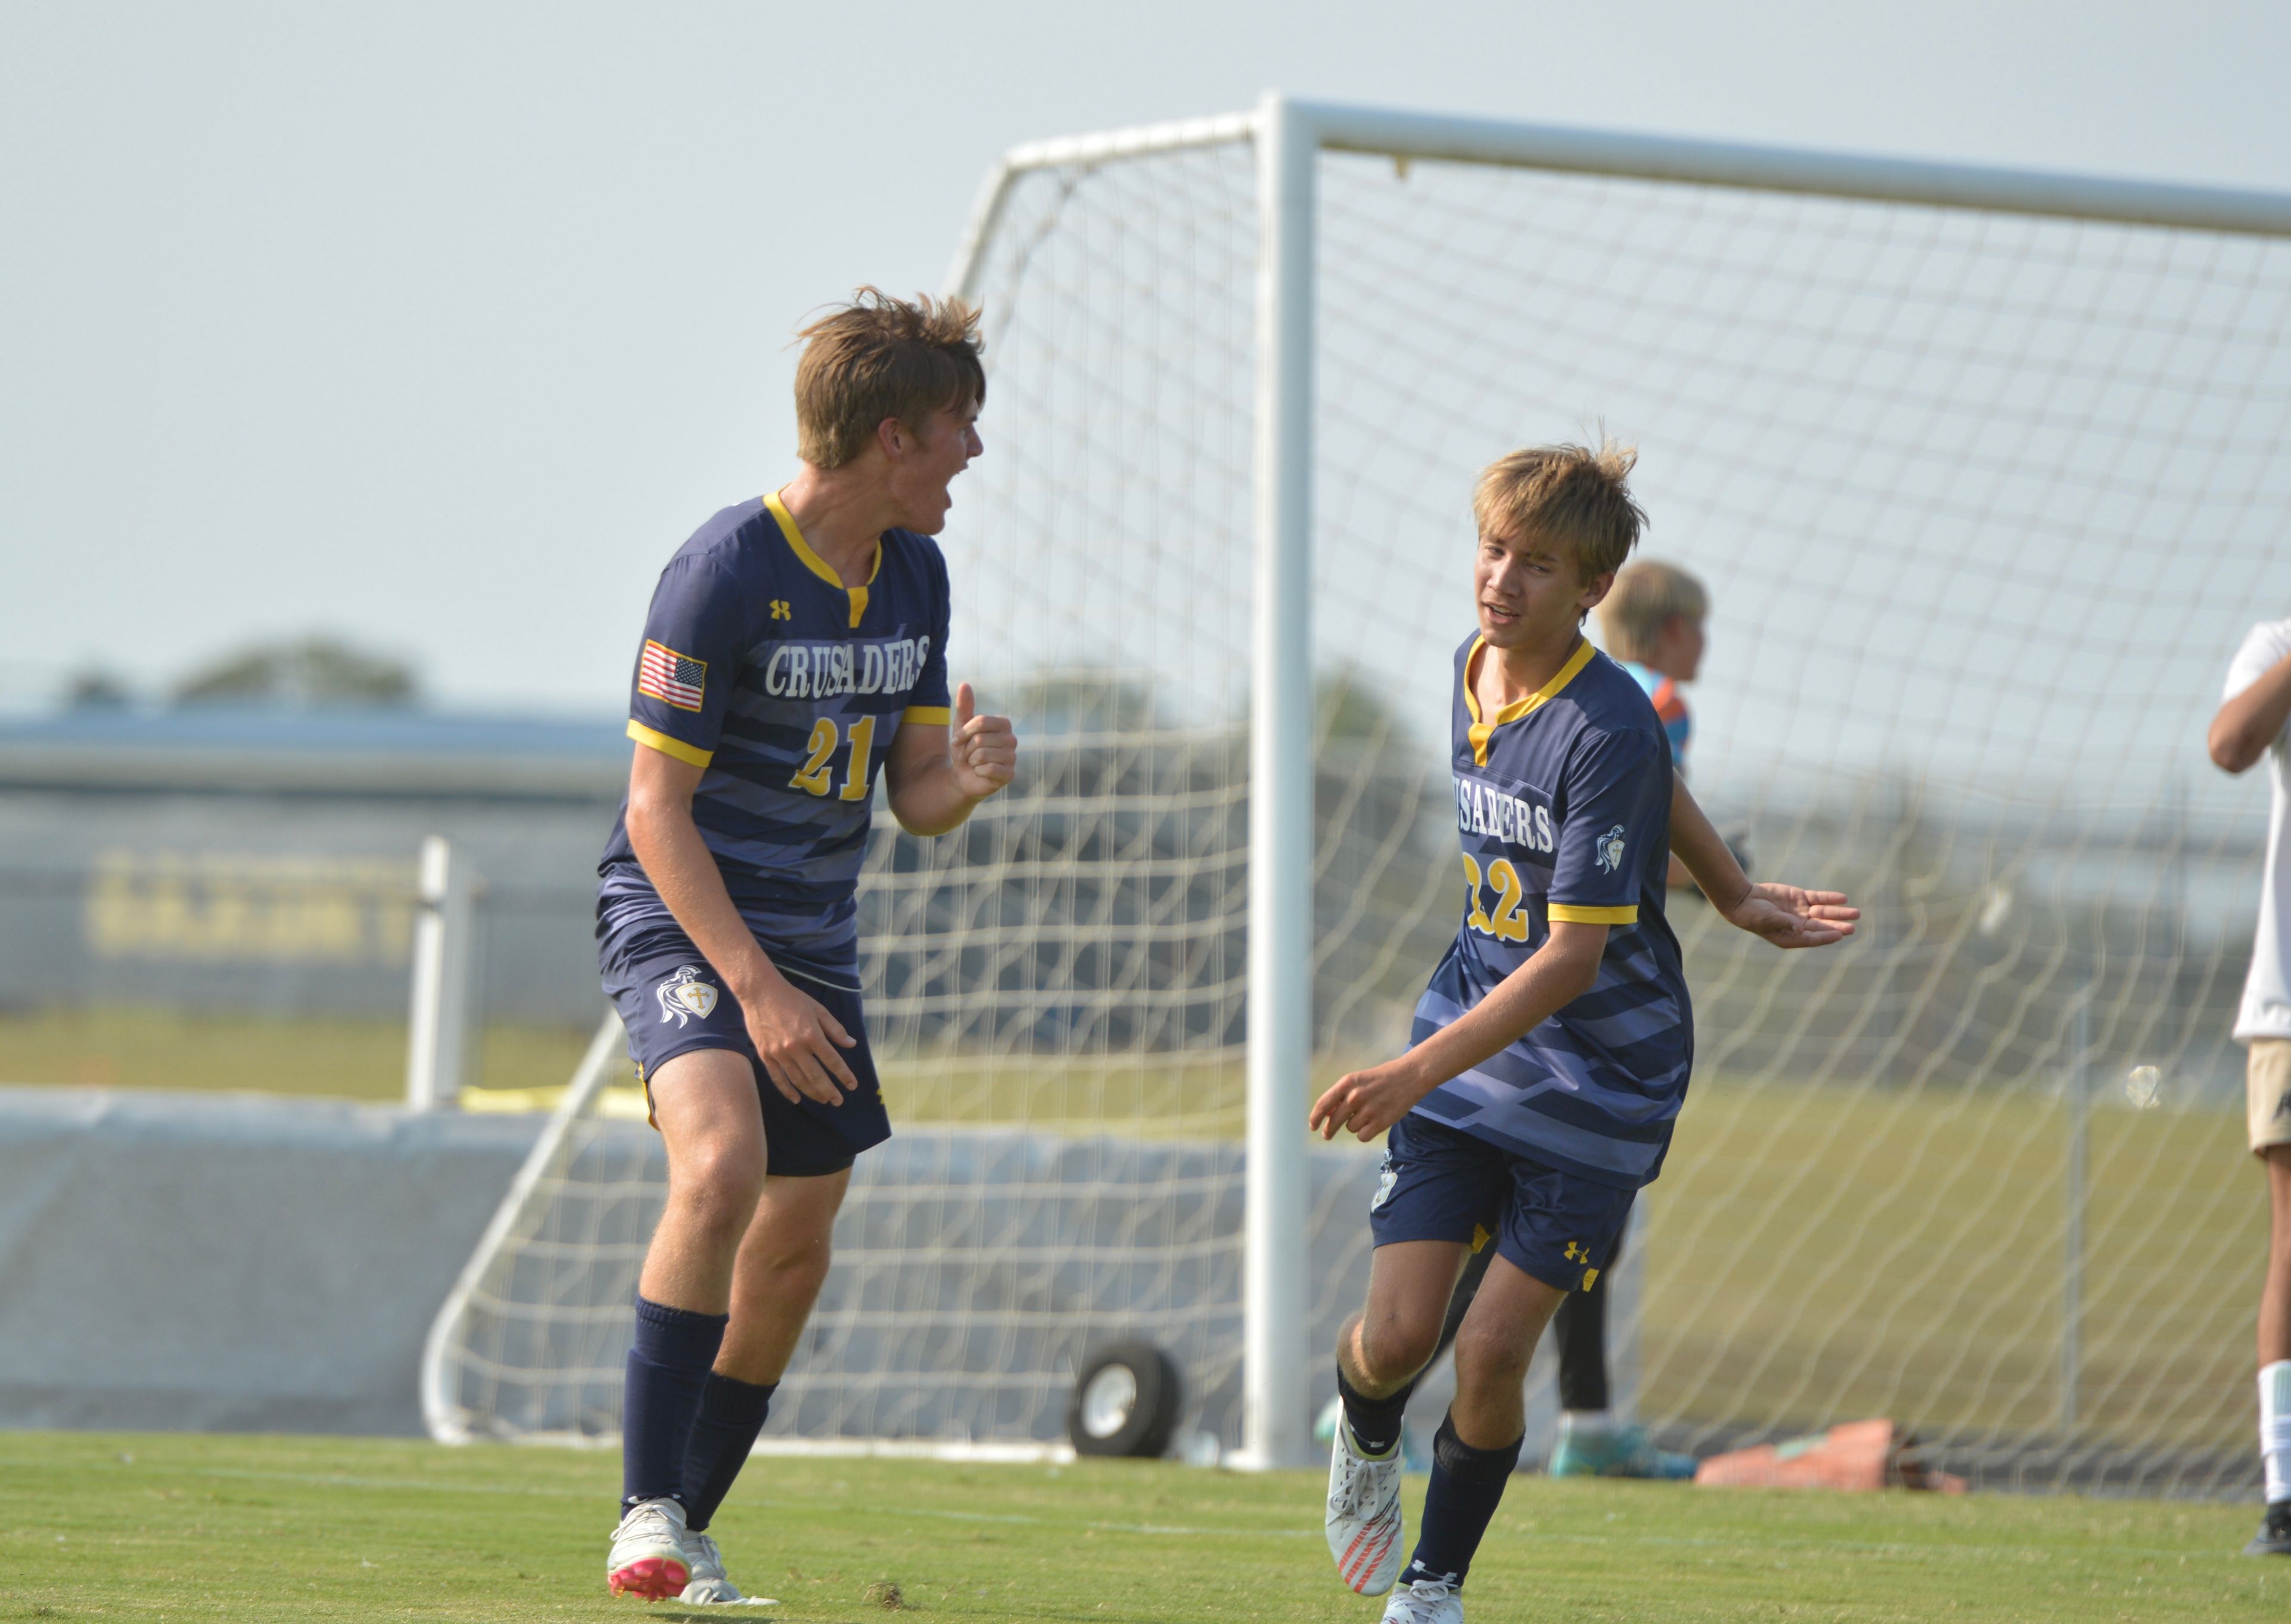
(312, 671)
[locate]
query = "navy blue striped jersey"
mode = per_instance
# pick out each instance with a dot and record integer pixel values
(1563, 801)
(761, 667)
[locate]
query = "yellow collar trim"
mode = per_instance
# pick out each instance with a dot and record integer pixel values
(818, 566)
(1481, 732)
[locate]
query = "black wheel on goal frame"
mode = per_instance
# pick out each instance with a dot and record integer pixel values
(1125, 1402)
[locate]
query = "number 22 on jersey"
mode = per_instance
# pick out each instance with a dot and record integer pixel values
(1509, 923)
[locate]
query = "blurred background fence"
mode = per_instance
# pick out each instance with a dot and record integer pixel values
(229, 900)
(226, 899)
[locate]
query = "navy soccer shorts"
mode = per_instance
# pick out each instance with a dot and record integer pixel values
(672, 1002)
(1441, 1183)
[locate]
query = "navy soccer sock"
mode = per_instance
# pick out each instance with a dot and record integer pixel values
(1466, 1483)
(1375, 1422)
(731, 1414)
(668, 1368)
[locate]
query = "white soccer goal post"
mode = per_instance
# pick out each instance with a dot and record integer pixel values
(1985, 471)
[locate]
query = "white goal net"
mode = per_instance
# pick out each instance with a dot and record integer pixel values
(1984, 499)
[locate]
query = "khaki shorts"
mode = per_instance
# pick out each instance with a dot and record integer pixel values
(2268, 1090)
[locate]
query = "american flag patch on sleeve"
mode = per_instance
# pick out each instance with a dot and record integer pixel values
(670, 677)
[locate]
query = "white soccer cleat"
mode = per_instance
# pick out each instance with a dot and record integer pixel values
(1429, 1600)
(1364, 1520)
(709, 1585)
(648, 1558)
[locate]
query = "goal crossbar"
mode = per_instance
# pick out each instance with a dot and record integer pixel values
(1386, 132)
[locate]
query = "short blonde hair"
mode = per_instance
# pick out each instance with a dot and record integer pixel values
(880, 357)
(1577, 497)
(1646, 597)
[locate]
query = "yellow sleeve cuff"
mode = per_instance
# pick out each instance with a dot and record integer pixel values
(1567, 913)
(692, 755)
(927, 713)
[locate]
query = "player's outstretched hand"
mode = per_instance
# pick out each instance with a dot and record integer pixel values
(1367, 1102)
(983, 748)
(1790, 916)
(797, 1038)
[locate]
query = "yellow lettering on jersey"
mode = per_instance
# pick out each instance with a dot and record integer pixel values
(863, 743)
(1510, 921)
(1479, 915)
(812, 776)
(819, 758)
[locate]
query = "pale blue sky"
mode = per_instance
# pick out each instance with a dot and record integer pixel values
(441, 326)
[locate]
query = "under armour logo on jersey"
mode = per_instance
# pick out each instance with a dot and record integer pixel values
(780, 610)
(1577, 1252)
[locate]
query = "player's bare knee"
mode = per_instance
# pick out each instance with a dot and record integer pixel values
(716, 1190)
(793, 1260)
(1492, 1355)
(1394, 1350)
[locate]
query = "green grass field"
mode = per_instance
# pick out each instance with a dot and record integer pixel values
(1814, 1254)
(115, 1047)
(185, 1526)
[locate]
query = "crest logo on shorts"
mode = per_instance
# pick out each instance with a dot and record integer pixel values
(1611, 851)
(684, 995)
(1390, 1177)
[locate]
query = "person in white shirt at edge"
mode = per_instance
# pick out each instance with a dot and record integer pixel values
(2251, 723)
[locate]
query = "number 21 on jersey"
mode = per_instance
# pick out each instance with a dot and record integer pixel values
(819, 758)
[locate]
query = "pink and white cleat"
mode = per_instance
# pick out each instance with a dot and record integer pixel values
(648, 1558)
(1364, 1516)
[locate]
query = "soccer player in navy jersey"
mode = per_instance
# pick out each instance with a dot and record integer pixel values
(1552, 1047)
(794, 654)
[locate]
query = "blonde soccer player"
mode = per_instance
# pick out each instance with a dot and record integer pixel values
(1653, 623)
(795, 655)
(1552, 1048)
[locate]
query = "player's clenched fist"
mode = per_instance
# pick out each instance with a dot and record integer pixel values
(796, 1038)
(984, 749)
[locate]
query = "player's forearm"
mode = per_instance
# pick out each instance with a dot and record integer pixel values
(2247, 724)
(681, 868)
(928, 801)
(1554, 976)
(1694, 842)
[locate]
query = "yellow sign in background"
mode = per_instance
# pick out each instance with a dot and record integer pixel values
(234, 907)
